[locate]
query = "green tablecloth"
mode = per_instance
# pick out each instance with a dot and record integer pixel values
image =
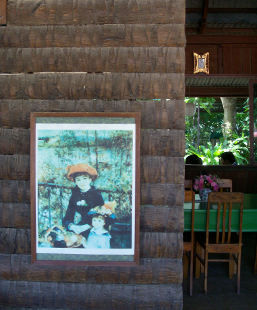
(249, 216)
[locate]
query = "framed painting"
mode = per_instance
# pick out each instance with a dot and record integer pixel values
(201, 63)
(85, 188)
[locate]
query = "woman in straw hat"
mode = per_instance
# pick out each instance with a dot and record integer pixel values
(84, 197)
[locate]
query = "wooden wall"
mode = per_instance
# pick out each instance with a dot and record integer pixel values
(102, 55)
(230, 53)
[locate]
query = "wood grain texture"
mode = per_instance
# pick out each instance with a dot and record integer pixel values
(160, 142)
(162, 194)
(14, 141)
(108, 35)
(149, 271)
(14, 191)
(163, 142)
(107, 59)
(161, 218)
(152, 218)
(164, 114)
(162, 169)
(154, 169)
(15, 167)
(35, 12)
(90, 86)
(14, 215)
(91, 296)
(14, 241)
(3, 12)
(152, 244)
(156, 194)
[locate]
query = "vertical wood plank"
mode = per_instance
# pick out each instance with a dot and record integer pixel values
(3, 12)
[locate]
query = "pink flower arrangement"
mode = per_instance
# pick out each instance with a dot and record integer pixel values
(206, 181)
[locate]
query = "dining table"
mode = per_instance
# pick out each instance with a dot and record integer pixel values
(249, 215)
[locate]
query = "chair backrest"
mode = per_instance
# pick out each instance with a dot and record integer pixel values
(190, 197)
(188, 184)
(225, 185)
(225, 203)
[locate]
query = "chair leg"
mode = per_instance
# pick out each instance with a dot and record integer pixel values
(231, 266)
(197, 262)
(238, 272)
(205, 271)
(191, 273)
(185, 265)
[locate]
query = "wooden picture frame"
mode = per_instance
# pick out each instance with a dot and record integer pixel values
(85, 188)
(201, 63)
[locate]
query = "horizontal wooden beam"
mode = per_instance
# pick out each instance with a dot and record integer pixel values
(149, 271)
(108, 59)
(90, 296)
(155, 114)
(51, 12)
(91, 86)
(110, 35)
(231, 10)
(221, 38)
(194, 91)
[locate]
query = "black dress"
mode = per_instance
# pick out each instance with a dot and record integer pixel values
(92, 197)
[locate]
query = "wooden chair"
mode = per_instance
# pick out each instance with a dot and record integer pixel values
(225, 185)
(222, 242)
(188, 185)
(189, 245)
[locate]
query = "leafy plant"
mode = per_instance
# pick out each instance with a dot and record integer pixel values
(211, 143)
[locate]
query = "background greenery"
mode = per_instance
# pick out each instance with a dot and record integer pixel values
(204, 135)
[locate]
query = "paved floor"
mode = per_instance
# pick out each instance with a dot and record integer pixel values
(221, 290)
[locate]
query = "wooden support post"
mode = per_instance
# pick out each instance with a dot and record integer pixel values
(3, 8)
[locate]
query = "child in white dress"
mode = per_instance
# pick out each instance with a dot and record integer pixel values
(98, 237)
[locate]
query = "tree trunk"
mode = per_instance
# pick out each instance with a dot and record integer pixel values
(229, 106)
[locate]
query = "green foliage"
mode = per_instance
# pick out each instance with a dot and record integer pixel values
(210, 126)
(203, 102)
(210, 154)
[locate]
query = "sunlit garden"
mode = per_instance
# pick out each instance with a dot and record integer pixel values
(217, 125)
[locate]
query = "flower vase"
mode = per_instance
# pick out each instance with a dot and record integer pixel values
(203, 193)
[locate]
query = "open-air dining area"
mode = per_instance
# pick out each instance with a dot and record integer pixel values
(128, 154)
(226, 217)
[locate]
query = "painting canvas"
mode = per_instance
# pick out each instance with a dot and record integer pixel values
(85, 187)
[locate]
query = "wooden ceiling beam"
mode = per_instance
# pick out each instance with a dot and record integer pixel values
(223, 10)
(200, 91)
(220, 39)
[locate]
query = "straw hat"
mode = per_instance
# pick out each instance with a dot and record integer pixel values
(81, 168)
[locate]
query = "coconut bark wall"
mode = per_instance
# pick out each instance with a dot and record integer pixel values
(104, 55)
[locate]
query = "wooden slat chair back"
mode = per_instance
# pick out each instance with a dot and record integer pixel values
(222, 243)
(189, 245)
(225, 185)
